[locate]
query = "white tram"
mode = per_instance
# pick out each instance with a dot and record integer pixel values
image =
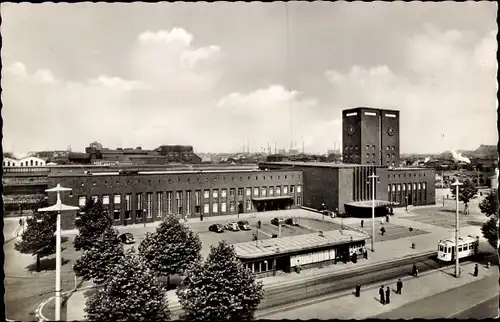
(467, 246)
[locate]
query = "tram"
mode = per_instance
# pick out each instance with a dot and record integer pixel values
(467, 246)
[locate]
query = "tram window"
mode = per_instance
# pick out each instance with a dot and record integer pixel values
(466, 247)
(459, 248)
(440, 248)
(453, 249)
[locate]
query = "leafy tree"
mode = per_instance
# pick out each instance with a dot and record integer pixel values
(220, 289)
(132, 293)
(466, 192)
(489, 207)
(39, 237)
(171, 249)
(98, 262)
(91, 225)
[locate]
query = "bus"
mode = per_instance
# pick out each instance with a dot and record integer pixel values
(467, 246)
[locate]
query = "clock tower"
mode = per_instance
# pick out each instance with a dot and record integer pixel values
(370, 136)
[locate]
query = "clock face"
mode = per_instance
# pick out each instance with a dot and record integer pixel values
(391, 131)
(350, 130)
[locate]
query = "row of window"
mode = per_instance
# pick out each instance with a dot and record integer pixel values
(31, 163)
(158, 207)
(404, 175)
(406, 186)
(367, 147)
(461, 248)
(198, 180)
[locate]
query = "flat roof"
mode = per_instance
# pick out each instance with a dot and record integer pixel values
(267, 247)
(406, 169)
(368, 203)
(152, 172)
(322, 164)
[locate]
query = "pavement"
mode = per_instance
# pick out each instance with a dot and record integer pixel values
(414, 290)
(384, 250)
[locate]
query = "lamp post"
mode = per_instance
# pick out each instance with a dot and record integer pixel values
(373, 177)
(442, 185)
(457, 184)
(58, 207)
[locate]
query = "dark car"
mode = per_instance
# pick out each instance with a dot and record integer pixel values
(291, 222)
(127, 238)
(244, 225)
(216, 228)
(276, 221)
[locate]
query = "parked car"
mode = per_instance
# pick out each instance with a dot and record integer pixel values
(127, 238)
(232, 226)
(276, 221)
(292, 221)
(216, 228)
(244, 225)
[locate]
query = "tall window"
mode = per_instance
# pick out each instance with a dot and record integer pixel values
(169, 202)
(206, 194)
(249, 192)
(404, 186)
(298, 201)
(240, 191)
(128, 205)
(215, 207)
(206, 208)
(249, 204)
(215, 193)
(81, 201)
(223, 206)
(299, 188)
(178, 201)
(423, 186)
(159, 204)
(197, 201)
(263, 191)
(419, 186)
(255, 192)
(232, 192)
(232, 206)
(271, 191)
(149, 204)
(278, 191)
(188, 202)
(285, 190)
(105, 200)
(95, 198)
(399, 187)
(139, 206)
(388, 188)
(223, 193)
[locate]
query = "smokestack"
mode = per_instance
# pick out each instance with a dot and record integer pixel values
(275, 150)
(302, 145)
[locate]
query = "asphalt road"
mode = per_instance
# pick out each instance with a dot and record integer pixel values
(473, 300)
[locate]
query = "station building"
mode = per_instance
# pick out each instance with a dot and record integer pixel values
(264, 257)
(133, 197)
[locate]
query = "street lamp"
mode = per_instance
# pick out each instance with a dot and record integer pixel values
(457, 184)
(373, 177)
(58, 207)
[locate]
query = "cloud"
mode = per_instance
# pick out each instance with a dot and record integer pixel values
(116, 83)
(17, 71)
(449, 75)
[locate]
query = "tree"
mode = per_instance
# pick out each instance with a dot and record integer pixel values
(466, 192)
(91, 225)
(132, 293)
(97, 263)
(171, 249)
(39, 237)
(220, 289)
(489, 207)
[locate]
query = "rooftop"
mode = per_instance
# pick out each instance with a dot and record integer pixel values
(368, 203)
(268, 247)
(321, 164)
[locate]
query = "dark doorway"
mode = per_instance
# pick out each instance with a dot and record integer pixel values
(240, 207)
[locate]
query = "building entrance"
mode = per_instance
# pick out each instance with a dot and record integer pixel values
(277, 204)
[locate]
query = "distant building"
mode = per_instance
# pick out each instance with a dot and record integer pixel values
(24, 162)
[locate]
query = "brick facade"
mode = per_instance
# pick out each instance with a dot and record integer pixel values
(182, 193)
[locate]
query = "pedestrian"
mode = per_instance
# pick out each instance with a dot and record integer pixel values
(362, 223)
(414, 270)
(358, 289)
(366, 254)
(20, 221)
(476, 270)
(387, 295)
(354, 258)
(399, 286)
(386, 218)
(259, 223)
(201, 217)
(381, 293)
(382, 231)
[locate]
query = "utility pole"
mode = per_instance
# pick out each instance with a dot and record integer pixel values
(457, 184)
(442, 184)
(373, 177)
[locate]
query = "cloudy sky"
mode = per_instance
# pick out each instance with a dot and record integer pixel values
(219, 75)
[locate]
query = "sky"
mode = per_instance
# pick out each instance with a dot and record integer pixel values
(221, 75)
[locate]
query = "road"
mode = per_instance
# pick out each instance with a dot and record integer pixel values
(473, 300)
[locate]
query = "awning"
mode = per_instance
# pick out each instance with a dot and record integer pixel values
(271, 198)
(369, 203)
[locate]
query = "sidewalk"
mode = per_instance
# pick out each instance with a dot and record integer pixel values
(367, 305)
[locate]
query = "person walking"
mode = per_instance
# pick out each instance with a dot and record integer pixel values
(362, 223)
(381, 293)
(365, 254)
(201, 217)
(355, 258)
(399, 286)
(387, 295)
(382, 231)
(476, 270)
(414, 270)
(358, 289)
